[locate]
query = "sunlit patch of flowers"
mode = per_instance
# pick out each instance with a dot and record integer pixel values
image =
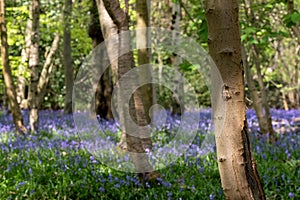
(54, 164)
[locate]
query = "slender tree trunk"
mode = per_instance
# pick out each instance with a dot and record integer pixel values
(34, 64)
(104, 86)
(263, 91)
(144, 54)
(285, 104)
(126, 62)
(67, 52)
(22, 93)
(264, 99)
(143, 39)
(296, 31)
(46, 71)
(291, 9)
(263, 125)
(8, 81)
(237, 167)
(176, 60)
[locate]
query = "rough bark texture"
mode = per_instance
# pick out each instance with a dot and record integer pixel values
(34, 63)
(8, 81)
(142, 23)
(104, 87)
(67, 52)
(126, 62)
(237, 167)
(262, 121)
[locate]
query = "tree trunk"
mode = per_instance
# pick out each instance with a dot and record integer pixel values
(46, 71)
(8, 80)
(34, 64)
(237, 167)
(104, 87)
(255, 50)
(126, 62)
(143, 39)
(263, 91)
(176, 60)
(67, 53)
(263, 125)
(109, 31)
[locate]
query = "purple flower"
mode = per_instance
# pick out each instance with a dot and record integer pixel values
(291, 195)
(101, 189)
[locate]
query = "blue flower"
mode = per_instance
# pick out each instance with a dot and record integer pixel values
(291, 195)
(101, 189)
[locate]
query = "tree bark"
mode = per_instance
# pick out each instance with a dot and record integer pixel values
(262, 88)
(8, 80)
(110, 34)
(34, 64)
(46, 71)
(263, 91)
(126, 62)
(176, 60)
(104, 87)
(143, 39)
(67, 53)
(263, 125)
(237, 167)
(22, 93)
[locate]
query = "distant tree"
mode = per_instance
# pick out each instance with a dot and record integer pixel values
(237, 167)
(134, 142)
(34, 63)
(39, 78)
(67, 58)
(8, 80)
(176, 59)
(264, 115)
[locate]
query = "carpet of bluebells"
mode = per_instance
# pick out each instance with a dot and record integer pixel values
(53, 164)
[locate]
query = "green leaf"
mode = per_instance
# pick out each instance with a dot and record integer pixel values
(295, 17)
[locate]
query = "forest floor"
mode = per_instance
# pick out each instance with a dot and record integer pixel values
(55, 163)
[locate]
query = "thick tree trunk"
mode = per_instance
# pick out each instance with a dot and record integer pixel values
(109, 31)
(104, 87)
(262, 121)
(8, 80)
(126, 62)
(67, 52)
(34, 64)
(237, 167)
